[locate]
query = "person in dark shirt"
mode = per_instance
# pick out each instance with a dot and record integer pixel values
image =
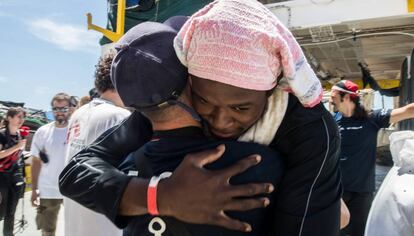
(166, 152)
(308, 199)
(11, 176)
(359, 130)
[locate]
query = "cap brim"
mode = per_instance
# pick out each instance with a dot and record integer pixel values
(176, 22)
(342, 90)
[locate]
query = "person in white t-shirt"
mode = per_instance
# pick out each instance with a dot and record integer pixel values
(48, 150)
(85, 125)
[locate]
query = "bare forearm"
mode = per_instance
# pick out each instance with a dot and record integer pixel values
(134, 199)
(36, 167)
(9, 151)
(402, 113)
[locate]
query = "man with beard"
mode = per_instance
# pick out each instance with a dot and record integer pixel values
(49, 150)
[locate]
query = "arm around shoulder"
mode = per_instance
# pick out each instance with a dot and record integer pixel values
(92, 172)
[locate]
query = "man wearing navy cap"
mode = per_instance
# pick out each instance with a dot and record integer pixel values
(150, 78)
(359, 129)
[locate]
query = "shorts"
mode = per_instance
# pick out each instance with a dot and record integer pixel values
(47, 213)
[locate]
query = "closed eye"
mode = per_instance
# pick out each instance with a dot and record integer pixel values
(240, 108)
(202, 100)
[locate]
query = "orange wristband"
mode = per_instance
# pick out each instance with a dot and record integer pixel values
(152, 193)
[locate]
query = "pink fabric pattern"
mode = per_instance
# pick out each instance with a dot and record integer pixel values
(242, 43)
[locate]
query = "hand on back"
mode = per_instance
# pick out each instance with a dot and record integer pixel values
(197, 195)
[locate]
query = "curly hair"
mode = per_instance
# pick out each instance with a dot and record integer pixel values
(103, 74)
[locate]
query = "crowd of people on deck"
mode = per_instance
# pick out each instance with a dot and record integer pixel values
(211, 124)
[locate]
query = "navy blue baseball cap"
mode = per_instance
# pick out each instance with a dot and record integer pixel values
(146, 71)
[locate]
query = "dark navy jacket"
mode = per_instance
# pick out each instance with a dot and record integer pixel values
(167, 150)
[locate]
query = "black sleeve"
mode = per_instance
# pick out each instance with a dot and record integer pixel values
(3, 140)
(381, 118)
(128, 164)
(91, 177)
(308, 197)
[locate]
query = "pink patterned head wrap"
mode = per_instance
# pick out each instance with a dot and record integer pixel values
(242, 43)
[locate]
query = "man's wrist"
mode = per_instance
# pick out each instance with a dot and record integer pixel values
(134, 198)
(164, 208)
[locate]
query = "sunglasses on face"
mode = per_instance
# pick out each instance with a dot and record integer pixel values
(60, 109)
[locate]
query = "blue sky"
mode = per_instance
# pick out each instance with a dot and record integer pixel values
(46, 48)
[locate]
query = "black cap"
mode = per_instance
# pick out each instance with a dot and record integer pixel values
(146, 71)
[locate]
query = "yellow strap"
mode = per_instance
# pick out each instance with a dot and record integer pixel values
(120, 23)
